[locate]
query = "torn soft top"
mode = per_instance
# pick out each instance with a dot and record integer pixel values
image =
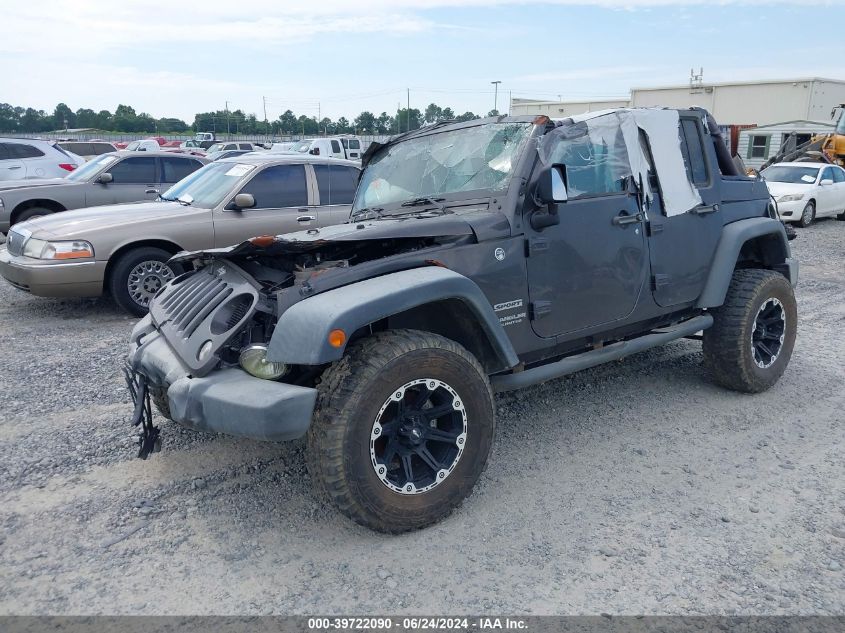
(606, 144)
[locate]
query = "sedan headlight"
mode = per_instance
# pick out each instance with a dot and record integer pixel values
(253, 360)
(791, 197)
(43, 249)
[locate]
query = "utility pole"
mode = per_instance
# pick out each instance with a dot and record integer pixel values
(495, 95)
(228, 129)
(409, 109)
(266, 126)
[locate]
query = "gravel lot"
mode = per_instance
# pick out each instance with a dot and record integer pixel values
(638, 487)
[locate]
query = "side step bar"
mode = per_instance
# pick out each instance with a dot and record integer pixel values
(571, 364)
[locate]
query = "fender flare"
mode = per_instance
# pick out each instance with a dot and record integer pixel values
(301, 333)
(734, 236)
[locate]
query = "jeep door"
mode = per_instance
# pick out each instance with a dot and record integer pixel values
(336, 186)
(132, 177)
(282, 194)
(682, 246)
(589, 269)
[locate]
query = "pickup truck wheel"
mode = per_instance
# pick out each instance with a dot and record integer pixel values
(753, 333)
(807, 215)
(137, 276)
(402, 430)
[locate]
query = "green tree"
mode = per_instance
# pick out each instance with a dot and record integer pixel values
(343, 126)
(9, 118)
(384, 123)
(34, 120)
(408, 119)
(103, 121)
(467, 116)
(365, 123)
(63, 117)
(288, 122)
(326, 125)
(493, 113)
(433, 113)
(447, 114)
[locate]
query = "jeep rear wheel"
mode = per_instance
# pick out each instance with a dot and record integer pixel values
(750, 342)
(402, 431)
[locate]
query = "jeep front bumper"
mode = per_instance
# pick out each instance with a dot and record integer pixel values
(226, 400)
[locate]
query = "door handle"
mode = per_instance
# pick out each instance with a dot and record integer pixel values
(15, 167)
(704, 209)
(305, 218)
(152, 191)
(622, 219)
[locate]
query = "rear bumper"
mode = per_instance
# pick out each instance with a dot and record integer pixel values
(226, 401)
(53, 279)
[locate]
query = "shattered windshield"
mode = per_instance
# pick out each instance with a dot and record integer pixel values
(469, 159)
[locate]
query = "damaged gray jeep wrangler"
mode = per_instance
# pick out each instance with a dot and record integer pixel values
(481, 256)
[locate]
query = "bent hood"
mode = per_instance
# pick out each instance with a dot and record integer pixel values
(481, 224)
(80, 223)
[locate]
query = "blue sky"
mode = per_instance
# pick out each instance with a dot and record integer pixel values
(175, 58)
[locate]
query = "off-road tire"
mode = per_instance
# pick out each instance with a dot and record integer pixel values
(352, 392)
(807, 215)
(159, 397)
(32, 212)
(728, 351)
(119, 275)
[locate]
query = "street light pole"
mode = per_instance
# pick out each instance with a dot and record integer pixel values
(495, 95)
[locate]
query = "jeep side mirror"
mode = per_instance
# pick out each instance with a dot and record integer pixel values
(105, 178)
(551, 190)
(243, 201)
(551, 187)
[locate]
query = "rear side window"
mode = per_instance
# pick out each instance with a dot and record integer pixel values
(130, 171)
(245, 146)
(174, 169)
(21, 150)
(4, 152)
(693, 151)
(337, 183)
(335, 147)
(82, 149)
(279, 186)
(354, 144)
(101, 148)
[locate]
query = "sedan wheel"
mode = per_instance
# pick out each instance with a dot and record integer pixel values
(146, 279)
(137, 276)
(808, 215)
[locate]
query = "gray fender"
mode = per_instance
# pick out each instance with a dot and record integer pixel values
(734, 236)
(301, 334)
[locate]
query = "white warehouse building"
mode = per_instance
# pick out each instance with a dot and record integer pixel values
(743, 104)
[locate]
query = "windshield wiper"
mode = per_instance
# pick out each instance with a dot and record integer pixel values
(417, 202)
(356, 214)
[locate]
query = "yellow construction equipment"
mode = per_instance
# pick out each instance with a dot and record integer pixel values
(822, 148)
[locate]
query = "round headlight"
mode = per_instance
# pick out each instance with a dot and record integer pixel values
(253, 360)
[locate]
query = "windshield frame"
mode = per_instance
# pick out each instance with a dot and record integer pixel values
(523, 159)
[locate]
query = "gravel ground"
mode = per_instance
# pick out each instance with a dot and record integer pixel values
(638, 487)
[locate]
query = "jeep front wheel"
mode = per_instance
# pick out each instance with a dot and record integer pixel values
(402, 431)
(750, 342)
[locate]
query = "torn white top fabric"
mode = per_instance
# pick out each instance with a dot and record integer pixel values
(662, 129)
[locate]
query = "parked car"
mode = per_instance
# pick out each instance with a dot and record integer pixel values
(482, 256)
(25, 158)
(348, 147)
(124, 250)
(806, 191)
(227, 153)
(143, 145)
(87, 149)
(283, 147)
(108, 179)
(220, 147)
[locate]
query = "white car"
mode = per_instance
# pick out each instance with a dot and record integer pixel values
(806, 191)
(26, 158)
